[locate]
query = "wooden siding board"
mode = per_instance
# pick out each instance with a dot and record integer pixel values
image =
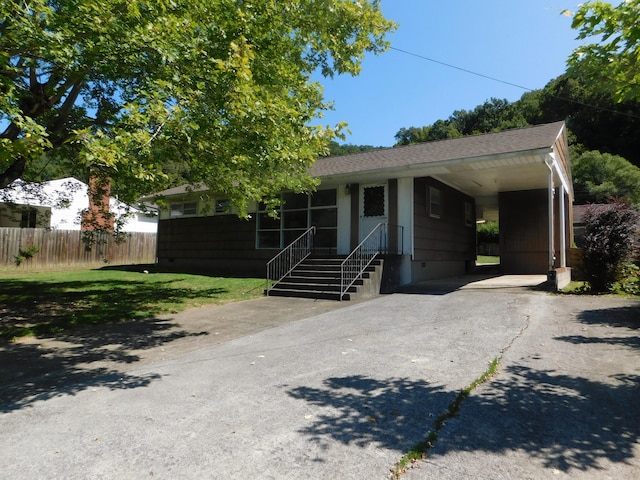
(223, 243)
(447, 237)
(524, 231)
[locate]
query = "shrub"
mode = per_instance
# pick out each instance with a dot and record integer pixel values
(488, 232)
(630, 281)
(609, 235)
(25, 254)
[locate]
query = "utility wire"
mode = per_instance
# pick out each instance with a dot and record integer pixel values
(460, 69)
(471, 72)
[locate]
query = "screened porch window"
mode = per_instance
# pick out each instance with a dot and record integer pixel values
(297, 213)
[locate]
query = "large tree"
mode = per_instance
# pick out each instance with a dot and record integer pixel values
(598, 122)
(612, 62)
(221, 86)
(602, 177)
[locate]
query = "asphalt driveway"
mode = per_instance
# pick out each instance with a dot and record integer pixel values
(295, 389)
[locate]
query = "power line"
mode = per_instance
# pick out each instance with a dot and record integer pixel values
(460, 69)
(471, 72)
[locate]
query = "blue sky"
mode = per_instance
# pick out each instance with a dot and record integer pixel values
(523, 42)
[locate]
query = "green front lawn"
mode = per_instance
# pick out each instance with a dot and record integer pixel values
(487, 260)
(46, 303)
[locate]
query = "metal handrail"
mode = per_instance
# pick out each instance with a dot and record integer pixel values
(289, 258)
(361, 257)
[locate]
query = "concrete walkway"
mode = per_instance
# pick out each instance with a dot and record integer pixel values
(306, 390)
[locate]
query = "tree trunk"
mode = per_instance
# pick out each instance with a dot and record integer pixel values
(15, 171)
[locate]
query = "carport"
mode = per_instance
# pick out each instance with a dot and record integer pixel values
(520, 177)
(527, 188)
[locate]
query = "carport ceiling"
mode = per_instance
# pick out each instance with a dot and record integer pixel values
(484, 180)
(489, 176)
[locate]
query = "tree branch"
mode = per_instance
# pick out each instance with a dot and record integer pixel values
(15, 171)
(11, 132)
(4, 25)
(76, 87)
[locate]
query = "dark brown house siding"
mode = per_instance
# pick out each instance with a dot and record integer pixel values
(223, 244)
(450, 237)
(524, 231)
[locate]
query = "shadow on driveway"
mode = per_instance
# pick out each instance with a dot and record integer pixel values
(569, 423)
(393, 413)
(87, 358)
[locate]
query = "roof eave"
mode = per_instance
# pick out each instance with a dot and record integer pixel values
(401, 170)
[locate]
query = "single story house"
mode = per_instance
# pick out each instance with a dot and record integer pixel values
(427, 196)
(60, 204)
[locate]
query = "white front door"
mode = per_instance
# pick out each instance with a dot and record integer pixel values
(374, 206)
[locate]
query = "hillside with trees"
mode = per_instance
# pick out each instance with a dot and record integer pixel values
(604, 135)
(596, 121)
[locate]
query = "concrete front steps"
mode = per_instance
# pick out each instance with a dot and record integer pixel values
(319, 277)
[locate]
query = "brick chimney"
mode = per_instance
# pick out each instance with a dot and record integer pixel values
(98, 216)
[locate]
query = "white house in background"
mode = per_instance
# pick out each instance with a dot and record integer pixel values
(59, 204)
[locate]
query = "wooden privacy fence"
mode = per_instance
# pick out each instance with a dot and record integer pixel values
(66, 247)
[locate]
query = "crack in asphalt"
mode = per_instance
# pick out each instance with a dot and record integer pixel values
(421, 450)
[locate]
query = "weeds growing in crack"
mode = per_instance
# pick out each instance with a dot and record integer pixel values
(420, 450)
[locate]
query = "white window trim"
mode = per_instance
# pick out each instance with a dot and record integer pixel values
(431, 201)
(174, 212)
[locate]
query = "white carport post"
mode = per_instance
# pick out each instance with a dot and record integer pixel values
(563, 188)
(563, 228)
(552, 256)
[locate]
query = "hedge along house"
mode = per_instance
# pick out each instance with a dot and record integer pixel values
(425, 197)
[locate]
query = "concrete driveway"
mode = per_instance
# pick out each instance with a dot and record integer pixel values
(316, 390)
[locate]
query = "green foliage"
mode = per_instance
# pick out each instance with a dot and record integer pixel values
(488, 232)
(609, 235)
(142, 90)
(596, 120)
(611, 64)
(494, 115)
(25, 254)
(336, 149)
(598, 177)
(629, 282)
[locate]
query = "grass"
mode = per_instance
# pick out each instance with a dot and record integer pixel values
(576, 287)
(627, 286)
(46, 303)
(420, 450)
(487, 260)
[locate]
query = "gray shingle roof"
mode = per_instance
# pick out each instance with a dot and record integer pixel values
(477, 146)
(509, 141)
(182, 189)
